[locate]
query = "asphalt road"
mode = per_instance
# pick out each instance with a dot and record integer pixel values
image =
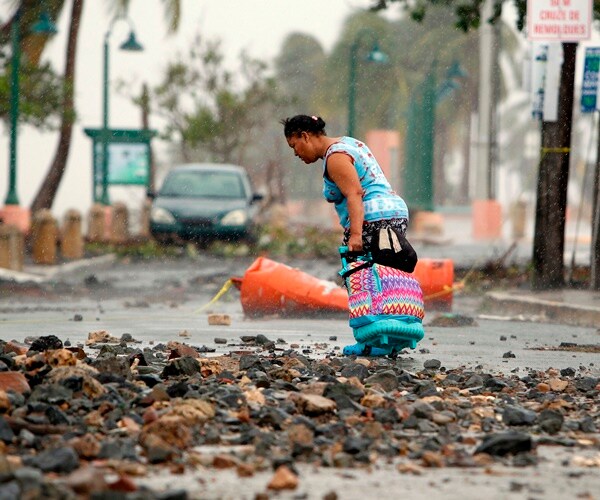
(158, 301)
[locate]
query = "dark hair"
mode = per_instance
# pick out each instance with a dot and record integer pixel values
(303, 123)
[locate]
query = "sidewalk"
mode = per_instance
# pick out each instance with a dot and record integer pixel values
(566, 306)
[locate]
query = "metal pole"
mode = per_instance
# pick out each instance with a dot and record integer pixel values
(352, 88)
(105, 199)
(11, 197)
(428, 140)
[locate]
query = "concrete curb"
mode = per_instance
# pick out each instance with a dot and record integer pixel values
(42, 274)
(576, 309)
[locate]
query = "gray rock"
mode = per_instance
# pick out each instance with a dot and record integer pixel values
(505, 443)
(185, 365)
(10, 491)
(361, 372)
(386, 379)
(250, 361)
(57, 460)
(516, 415)
(585, 384)
(432, 364)
(421, 409)
(550, 421)
(6, 433)
(474, 381)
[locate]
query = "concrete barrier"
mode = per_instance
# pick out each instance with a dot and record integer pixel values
(44, 235)
(11, 247)
(71, 242)
(120, 223)
(96, 224)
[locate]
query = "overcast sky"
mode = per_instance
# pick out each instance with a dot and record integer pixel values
(258, 26)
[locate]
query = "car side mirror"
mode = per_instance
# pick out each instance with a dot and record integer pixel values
(150, 194)
(256, 197)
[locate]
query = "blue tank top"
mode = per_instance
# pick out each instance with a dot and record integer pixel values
(380, 201)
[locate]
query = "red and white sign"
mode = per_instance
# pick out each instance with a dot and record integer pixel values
(559, 20)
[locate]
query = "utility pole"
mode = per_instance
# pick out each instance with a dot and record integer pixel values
(486, 210)
(595, 247)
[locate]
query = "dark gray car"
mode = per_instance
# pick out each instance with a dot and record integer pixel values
(204, 201)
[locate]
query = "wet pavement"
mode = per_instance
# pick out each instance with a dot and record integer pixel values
(527, 361)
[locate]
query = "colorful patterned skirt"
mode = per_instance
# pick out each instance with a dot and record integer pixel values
(386, 305)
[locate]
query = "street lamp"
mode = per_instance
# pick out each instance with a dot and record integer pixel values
(131, 44)
(376, 56)
(420, 135)
(44, 26)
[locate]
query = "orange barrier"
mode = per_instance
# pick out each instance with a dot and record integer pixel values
(436, 277)
(269, 287)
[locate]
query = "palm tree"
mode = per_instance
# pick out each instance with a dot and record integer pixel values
(47, 192)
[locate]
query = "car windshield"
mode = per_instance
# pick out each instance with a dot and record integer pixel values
(197, 184)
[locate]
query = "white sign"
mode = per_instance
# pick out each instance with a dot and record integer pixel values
(559, 20)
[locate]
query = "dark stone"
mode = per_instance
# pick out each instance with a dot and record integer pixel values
(58, 460)
(432, 364)
(516, 415)
(74, 383)
(505, 443)
(10, 491)
(219, 340)
(56, 416)
(354, 445)
(172, 495)
(422, 409)
(509, 354)
(149, 380)
(387, 379)
(386, 415)
(474, 381)
(6, 433)
(425, 388)
(332, 391)
(550, 421)
(45, 343)
(588, 425)
(495, 384)
(185, 365)
(586, 384)
(113, 365)
(263, 340)
(250, 361)
(118, 450)
(567, 372)
(357, 370)
(51, 393)
(178, 389)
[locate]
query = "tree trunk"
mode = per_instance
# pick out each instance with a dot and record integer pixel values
(47, 193)
(553, 177)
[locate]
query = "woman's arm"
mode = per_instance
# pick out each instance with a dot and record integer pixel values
(340, 170)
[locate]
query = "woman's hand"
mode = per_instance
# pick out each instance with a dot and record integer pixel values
(355, 243)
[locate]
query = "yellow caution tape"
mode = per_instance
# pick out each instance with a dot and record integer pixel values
(219, 294)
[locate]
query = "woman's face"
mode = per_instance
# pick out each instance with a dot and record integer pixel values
(303, 147)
